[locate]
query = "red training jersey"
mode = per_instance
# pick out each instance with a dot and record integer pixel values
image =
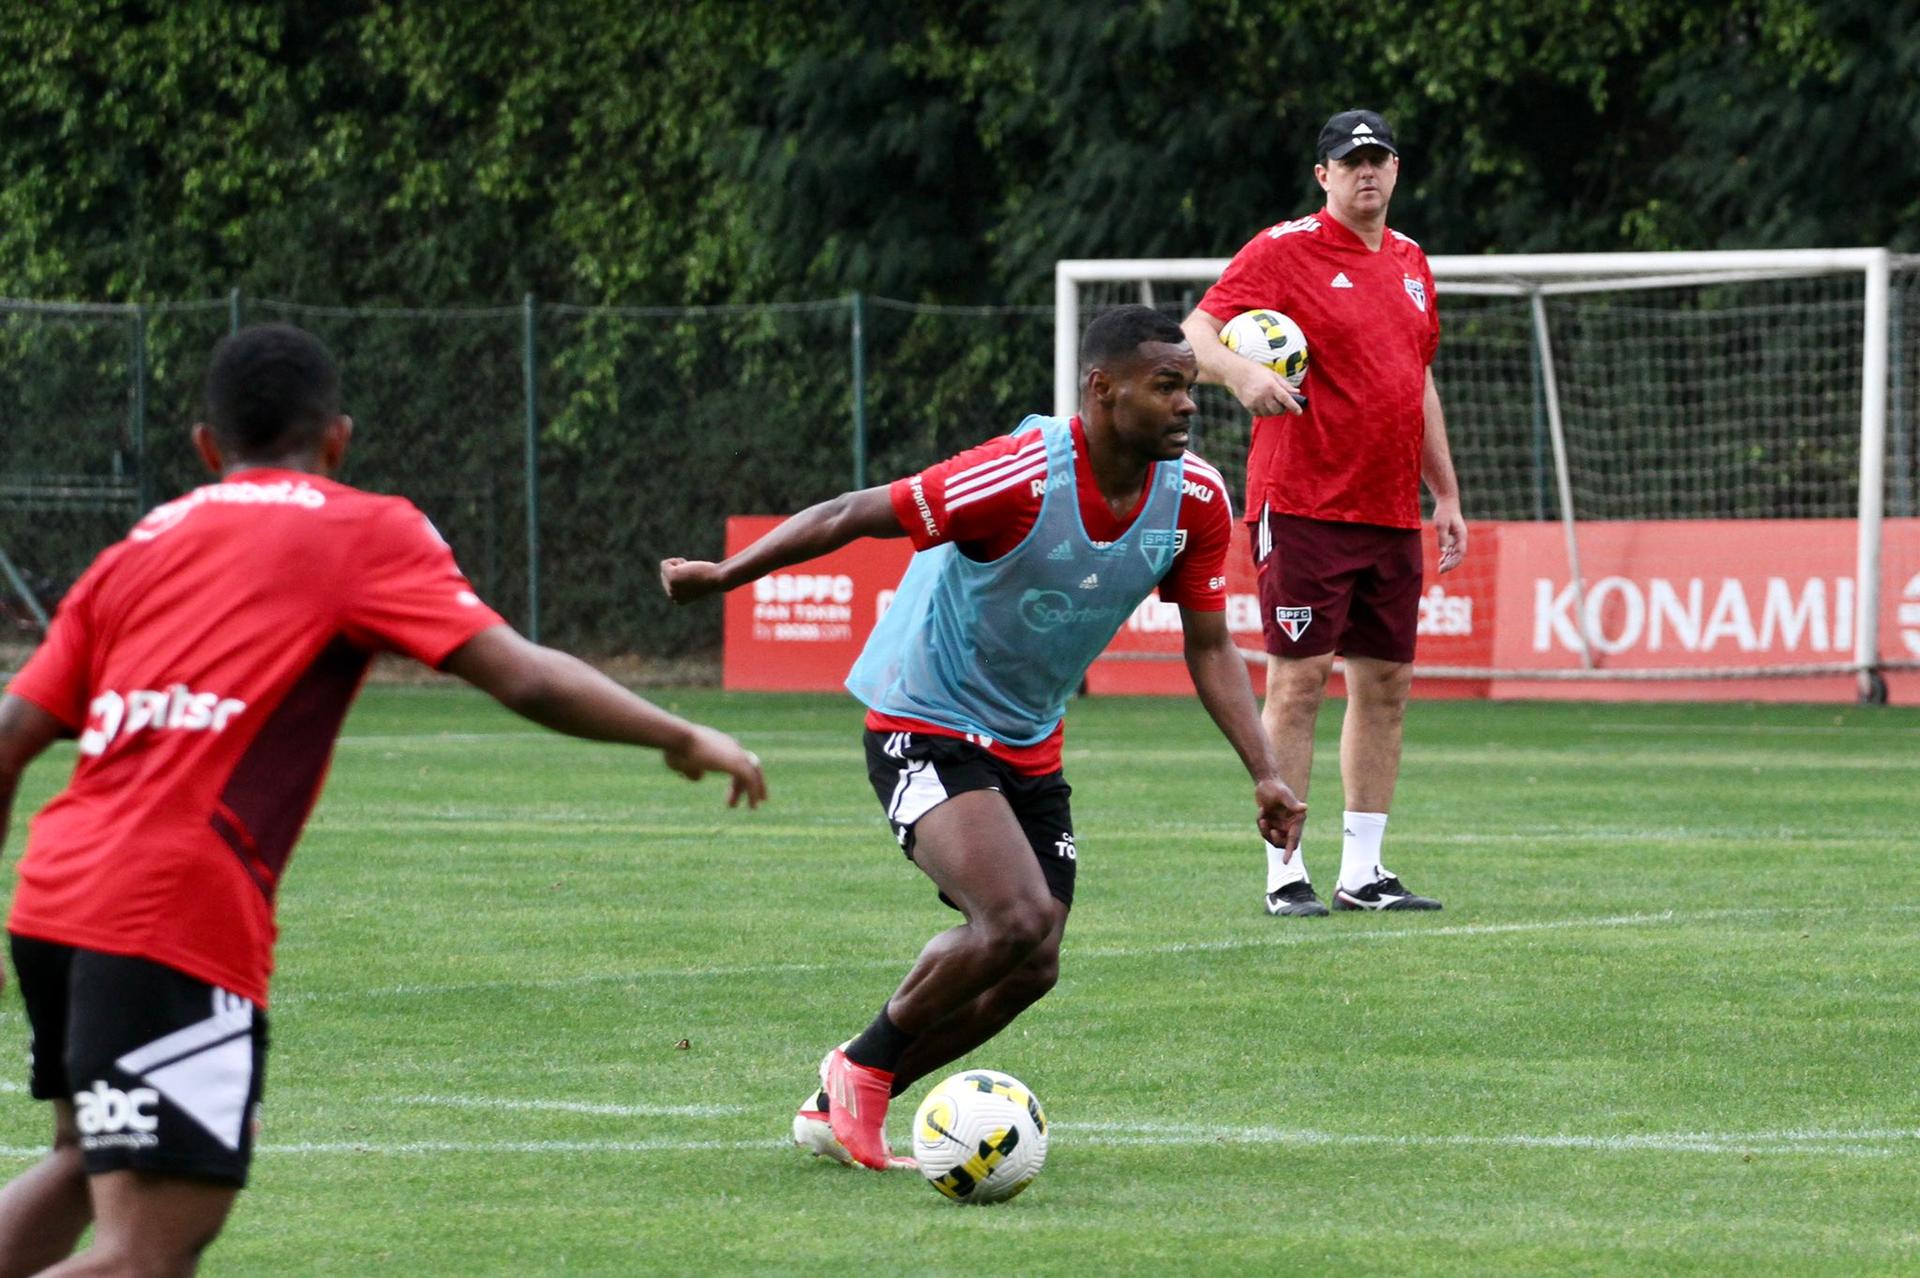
(986, 500)
(1372, 328)
(206, 663)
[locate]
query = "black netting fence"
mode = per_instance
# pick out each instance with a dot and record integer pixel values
(564, 450)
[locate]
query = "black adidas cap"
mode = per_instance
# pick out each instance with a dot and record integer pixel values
(1351, 130)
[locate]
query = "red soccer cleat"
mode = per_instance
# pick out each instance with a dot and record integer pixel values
(813, 1124)
(858, 1096)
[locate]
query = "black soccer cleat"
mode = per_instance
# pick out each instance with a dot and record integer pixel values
(1388, 893)
(1296, 900)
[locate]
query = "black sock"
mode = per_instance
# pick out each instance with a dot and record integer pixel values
(880, 1045)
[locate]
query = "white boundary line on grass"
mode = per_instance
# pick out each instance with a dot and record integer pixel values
(1312, 935)
(1868, 1143)
(1751, 729)
(1875, 1143)
(567, 1107)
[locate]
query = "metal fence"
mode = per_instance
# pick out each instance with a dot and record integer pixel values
(564, 450)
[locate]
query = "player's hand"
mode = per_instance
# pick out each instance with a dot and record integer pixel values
(1282, 815)
(710, 750)
(1265, 393)
(1451, 532)
(686, 580)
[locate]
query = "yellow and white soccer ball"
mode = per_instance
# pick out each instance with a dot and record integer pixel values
(980, 1136)
(1270, 338)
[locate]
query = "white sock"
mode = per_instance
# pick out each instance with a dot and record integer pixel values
(1360, 849)
(1280, 873)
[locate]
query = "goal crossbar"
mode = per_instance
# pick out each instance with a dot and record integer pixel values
(1542, 275)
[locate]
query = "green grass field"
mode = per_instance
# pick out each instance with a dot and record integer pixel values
(544, 1008)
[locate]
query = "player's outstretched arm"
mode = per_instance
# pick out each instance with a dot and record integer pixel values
(1220, 677)
(562, 692)
(813, 532)
(1264, 392)
(25, 730)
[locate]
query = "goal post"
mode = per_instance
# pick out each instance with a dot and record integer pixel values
(1665, 411)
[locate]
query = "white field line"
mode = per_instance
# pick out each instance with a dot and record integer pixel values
(1901, 729)
(1869, 1143)
(566, 1107)
(810, 738)
(630, 823)
(1269, 940)
(1878, 1142)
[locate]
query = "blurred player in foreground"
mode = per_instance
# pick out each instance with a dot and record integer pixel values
(206, 663)
(1033, 549)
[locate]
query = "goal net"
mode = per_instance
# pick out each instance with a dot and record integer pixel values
(1689, 466)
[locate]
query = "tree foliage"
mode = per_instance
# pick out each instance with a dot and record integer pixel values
(435, 153)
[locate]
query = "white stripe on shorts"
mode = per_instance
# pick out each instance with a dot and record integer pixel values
(224, 1023)
(918, 792)
(205, 1069)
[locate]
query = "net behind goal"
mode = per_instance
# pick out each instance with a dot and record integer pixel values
(1687, 461)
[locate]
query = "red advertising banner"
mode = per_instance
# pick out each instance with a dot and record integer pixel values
(1666, 595)
(1692, 594)
(800, 629)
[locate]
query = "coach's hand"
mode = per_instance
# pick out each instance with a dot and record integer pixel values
(1282, 815)
(1450, 530)
(1264, 392)
(686, 580)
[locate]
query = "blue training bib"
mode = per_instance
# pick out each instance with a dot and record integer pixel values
(997, 648)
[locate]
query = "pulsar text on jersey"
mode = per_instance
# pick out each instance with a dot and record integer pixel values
(178, 709)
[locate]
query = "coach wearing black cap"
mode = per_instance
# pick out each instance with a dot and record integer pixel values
(1349, 131)
(1333, 489)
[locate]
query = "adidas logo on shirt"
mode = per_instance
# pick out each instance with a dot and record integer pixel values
(1341, 281)
(1062, 551)
(1089, 581)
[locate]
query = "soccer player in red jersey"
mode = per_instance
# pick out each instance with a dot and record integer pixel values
(1031, 551)
(205, 664)
(1333, 488)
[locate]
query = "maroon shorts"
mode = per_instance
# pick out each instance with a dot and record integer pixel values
(1327, 587)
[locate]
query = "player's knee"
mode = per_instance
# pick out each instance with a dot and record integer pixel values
(1037, 977)
(1015, 931)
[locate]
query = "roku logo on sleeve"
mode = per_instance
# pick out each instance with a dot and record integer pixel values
(179, 708)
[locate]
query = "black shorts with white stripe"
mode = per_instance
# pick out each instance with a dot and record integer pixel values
(914, 772)
(164, 1071)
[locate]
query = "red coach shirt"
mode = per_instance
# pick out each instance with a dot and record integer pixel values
(206, 663)
(1372, 329)
(985, 500)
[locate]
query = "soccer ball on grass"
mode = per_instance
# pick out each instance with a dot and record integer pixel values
(980, 1136)
(1270, 338)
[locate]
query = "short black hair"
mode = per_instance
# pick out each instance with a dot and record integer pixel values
(271, 389)
(1115, 335)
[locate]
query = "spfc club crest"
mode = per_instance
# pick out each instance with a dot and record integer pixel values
(1160, 545)
(1417, 290)
(1293, 622)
